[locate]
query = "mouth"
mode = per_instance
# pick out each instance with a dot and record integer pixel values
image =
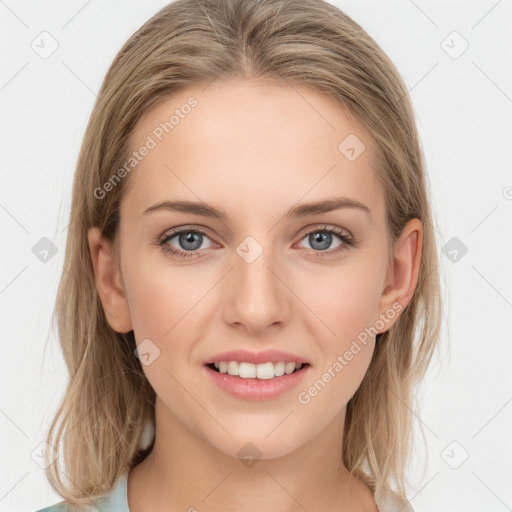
(251, 382)
(265, 371)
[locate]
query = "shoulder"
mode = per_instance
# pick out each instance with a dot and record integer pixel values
(116, 500)
(62, 506)
(58, 507)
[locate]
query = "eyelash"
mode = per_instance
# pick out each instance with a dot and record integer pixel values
(348, 241)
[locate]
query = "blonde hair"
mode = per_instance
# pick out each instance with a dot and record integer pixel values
(108, 400)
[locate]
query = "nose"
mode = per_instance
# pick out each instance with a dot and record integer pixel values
(255, 296)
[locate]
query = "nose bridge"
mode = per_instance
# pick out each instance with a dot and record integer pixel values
(256, 296)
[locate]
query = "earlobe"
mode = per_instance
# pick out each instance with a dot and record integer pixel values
(406, 266)
(107, 276)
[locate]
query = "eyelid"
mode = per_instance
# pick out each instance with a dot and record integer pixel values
(205, 231)
(186, 227)
(329, 227)
(348, 240)
(346, 237)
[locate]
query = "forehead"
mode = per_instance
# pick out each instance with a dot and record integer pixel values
(251, 145)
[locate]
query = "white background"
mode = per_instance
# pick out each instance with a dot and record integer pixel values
(464, 113)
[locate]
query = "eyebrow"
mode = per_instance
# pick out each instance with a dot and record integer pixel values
(301, 210)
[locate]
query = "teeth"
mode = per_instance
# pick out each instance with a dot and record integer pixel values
(289, 368)
(279, 369)
(233, 368)
(260, 371)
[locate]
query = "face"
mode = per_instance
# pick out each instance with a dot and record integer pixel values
(309, 283)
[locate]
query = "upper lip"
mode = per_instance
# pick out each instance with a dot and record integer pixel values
(264, 356)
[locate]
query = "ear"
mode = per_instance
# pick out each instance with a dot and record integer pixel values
(107, 276)
(401, 283)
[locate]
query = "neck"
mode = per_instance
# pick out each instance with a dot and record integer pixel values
(184, 472)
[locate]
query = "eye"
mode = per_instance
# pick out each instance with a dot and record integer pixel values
(321, 238)
(189, 241)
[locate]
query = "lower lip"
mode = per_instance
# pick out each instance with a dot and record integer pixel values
(256, 389)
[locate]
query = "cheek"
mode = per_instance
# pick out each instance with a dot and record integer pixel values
(344, 301)
(345, 310)
(161, 298)
(345, 306)
(164, 304)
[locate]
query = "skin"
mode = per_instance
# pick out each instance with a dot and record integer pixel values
(253, 149)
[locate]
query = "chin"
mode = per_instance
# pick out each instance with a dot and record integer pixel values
(250, 448)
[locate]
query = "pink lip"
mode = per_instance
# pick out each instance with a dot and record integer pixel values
(256, 389)
(265, 356)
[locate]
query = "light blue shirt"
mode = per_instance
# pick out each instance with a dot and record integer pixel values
(115, 501)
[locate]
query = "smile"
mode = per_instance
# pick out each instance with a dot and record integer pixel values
(264, 381)
(263, 371)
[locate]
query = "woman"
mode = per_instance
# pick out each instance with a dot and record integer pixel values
(250, 291)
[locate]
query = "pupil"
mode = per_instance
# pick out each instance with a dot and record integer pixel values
(190, 238)
(324, 239)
